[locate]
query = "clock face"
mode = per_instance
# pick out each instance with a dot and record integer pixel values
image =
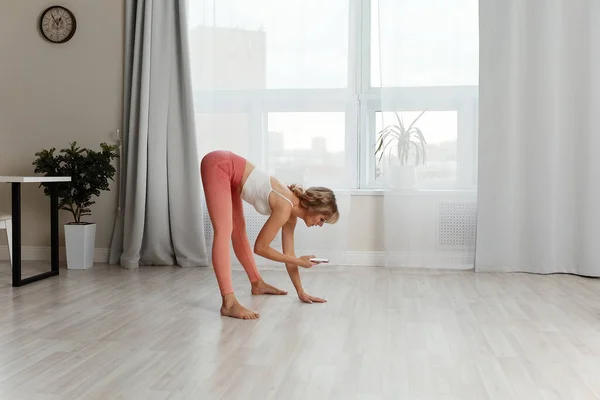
(58, 24)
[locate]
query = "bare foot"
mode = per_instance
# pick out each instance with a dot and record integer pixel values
(232, 308)
(260, 287)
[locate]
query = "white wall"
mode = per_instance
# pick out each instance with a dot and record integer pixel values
(52, 94)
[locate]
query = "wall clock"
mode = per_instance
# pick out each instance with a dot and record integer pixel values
(58, 24)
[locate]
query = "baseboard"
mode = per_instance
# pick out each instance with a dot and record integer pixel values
(42, 253)
(365, 258)
(350, 258)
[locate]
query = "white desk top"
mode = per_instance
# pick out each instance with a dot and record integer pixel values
(30, 179)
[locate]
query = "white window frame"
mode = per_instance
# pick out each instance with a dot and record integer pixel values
(360, 101)
(462, 99)
(259, 103)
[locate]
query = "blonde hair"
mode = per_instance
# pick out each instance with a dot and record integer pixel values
(318, 200)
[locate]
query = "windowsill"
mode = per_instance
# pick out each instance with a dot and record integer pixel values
(418, 192)
(366, 192)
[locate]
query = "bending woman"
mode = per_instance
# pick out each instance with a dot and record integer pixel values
(227, 180)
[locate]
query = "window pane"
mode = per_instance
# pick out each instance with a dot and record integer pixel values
(440, 130)
(273, 44)
(424, 43)
(307, 148)
(227, 131)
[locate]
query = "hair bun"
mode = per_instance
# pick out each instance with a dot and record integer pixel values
(297, 190)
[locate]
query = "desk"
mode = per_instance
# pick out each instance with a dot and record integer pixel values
(16, 182)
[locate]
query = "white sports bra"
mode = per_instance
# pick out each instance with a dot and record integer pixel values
(257, 189)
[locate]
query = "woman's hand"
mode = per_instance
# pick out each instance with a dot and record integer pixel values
(307, 298)
(305, 262)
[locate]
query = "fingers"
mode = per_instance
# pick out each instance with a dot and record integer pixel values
(305, 298)
(318, 300)
(311, 299)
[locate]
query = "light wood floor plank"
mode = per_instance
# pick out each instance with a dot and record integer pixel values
(156, 334)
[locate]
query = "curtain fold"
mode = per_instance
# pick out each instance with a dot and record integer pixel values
(160, 219)
(539, 144)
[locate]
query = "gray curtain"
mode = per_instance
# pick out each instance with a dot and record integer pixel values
(160, 216)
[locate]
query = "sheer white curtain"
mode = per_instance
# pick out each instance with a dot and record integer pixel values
(270, 82)
(540, 140)
(424, 75)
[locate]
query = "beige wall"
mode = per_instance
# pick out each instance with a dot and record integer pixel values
(366, 216)
(55, 93)
(52, 94)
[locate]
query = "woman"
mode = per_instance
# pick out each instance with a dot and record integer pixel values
(228, 179)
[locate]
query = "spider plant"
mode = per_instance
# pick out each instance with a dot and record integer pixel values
(406, 140)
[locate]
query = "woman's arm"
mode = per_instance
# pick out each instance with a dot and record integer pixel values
(263, 248)
(287, 239)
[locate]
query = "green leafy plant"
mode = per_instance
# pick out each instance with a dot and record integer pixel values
(90, 172)
(406, 140)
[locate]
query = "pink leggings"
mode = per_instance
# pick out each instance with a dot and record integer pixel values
(222, 173)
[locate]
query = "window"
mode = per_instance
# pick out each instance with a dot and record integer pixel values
(301, 87)
(440, 169)
(270, 44)
(308, 148)
(425, 43)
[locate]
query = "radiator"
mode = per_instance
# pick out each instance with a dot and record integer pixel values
(456, 225)
(254, 223)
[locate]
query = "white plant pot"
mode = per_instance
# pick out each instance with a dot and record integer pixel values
(80, 241)
(403, 177)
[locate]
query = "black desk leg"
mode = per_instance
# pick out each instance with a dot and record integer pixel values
(54, 228)
(16, 233)
(16, 226)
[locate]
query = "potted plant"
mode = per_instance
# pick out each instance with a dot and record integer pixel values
(401, 142)
(90, 172)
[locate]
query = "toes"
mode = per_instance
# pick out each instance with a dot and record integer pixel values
(251, 315)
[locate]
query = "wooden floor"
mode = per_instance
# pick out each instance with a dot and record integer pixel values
(109, 333)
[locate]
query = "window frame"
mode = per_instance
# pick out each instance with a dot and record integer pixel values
(359, 101)
(462, 99)
(259, 103)
(370, 99)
